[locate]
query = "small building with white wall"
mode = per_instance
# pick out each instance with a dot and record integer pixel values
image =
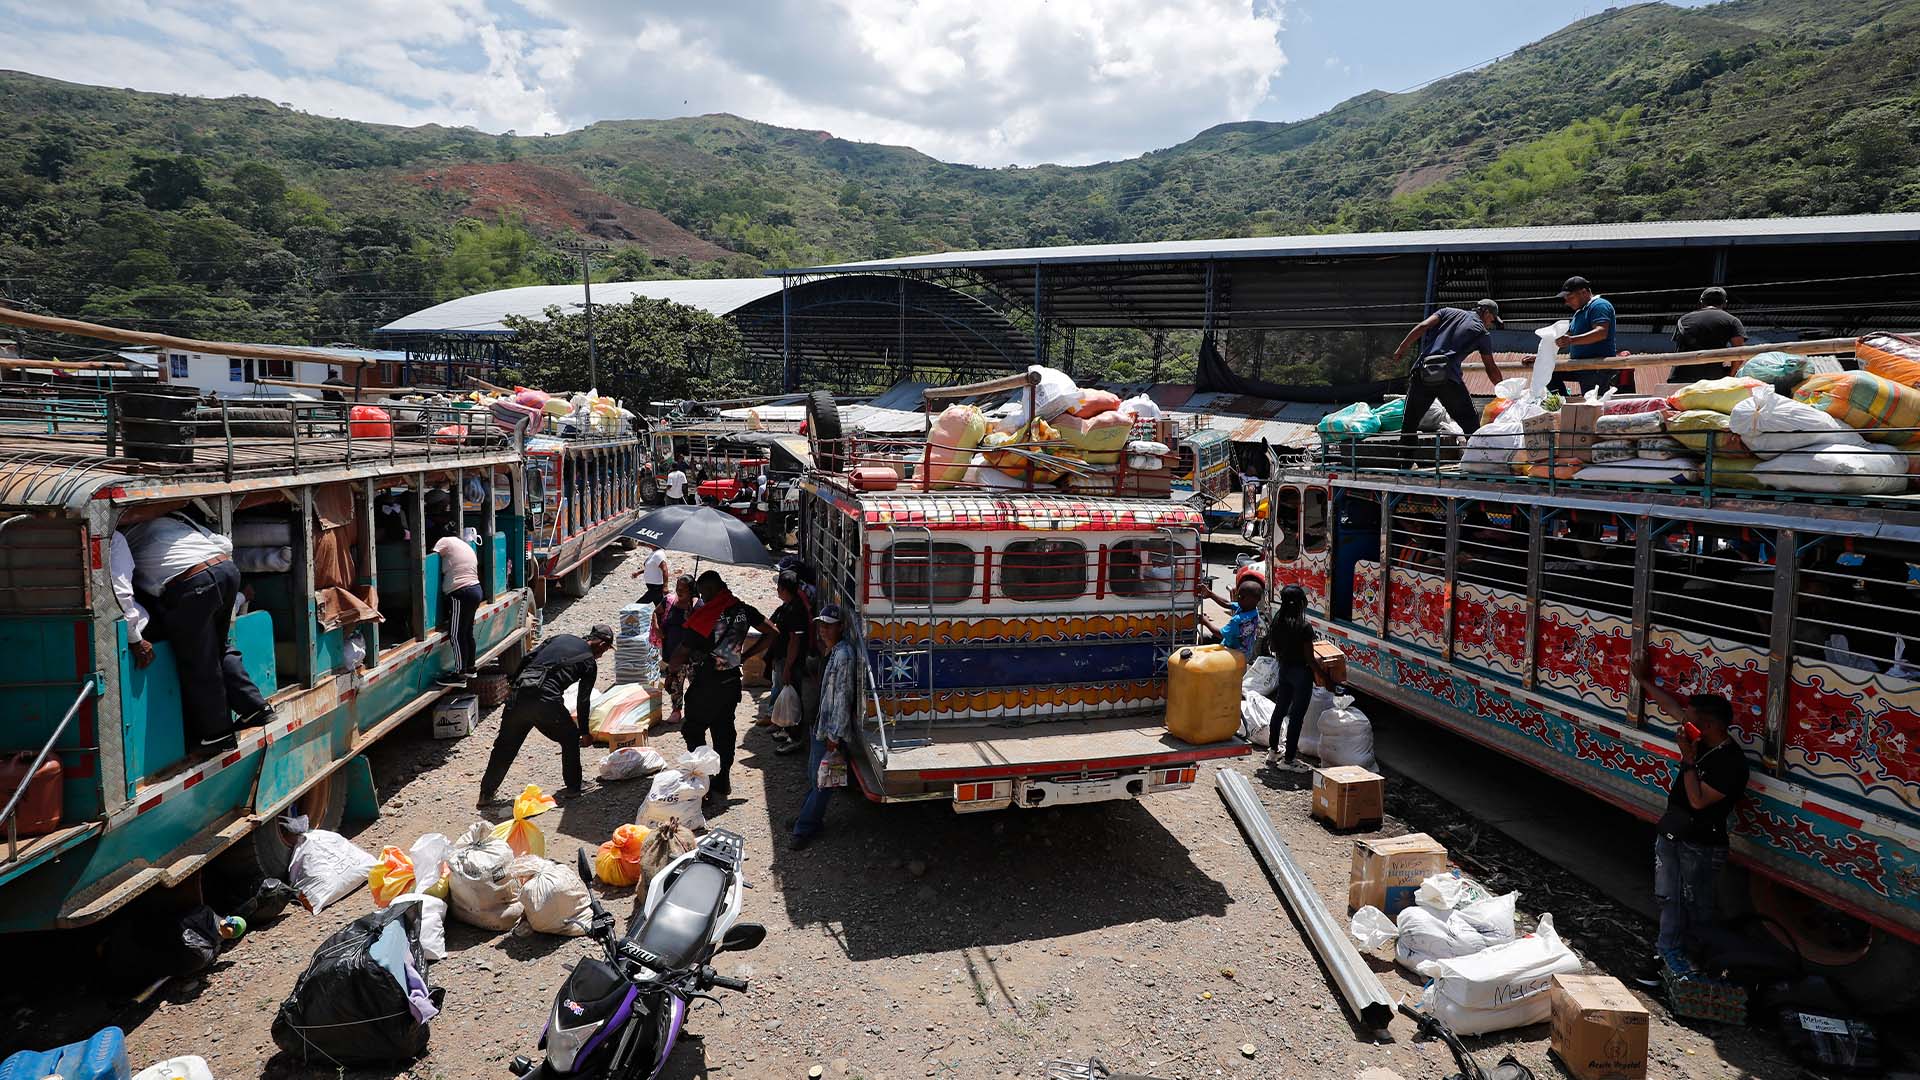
(239, 376)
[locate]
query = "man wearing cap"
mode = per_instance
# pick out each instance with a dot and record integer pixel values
(839, 699)
(1450, 334)
(1589, 335)
(538, 700)
(1711, 327)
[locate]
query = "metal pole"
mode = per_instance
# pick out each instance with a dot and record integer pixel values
(1357, 983)
(593, 359)
(787, 381)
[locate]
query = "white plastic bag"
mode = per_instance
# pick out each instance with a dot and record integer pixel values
(1770, 423)
(433, 923)
(1425, 934)
(481, 891)
(180, 1068)
(1317, 706)
(325, 865)
(429, 857)
(1545, 357)
(1505, 986)
(1346, 735)
(1491, 449)
(1446, 892)
(1256, 720)
(1371, 929)
(1837, 469)
(1055, 394)
(628, 762)
(553, 899)
(677, 792)
(1262, 676)
(1140, 407)
(786, 708)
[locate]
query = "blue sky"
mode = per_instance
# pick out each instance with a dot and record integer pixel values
(989, 82)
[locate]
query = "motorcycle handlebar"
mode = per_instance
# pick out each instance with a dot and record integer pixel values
(738, 986)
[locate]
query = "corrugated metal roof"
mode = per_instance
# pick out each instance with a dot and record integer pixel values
(485, 313)
(1829, 229)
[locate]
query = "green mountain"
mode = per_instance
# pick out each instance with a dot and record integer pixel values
(239, 217)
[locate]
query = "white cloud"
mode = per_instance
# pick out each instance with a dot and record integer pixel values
(989, 81)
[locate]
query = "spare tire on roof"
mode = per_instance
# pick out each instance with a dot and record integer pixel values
(823, 428)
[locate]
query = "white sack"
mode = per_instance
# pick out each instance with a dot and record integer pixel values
(1256, 720)
(1771, 423)
(263, 560)
(1056, 393)
(1346, 735)
(553, 899)
(325, 865)
(1262, 676)
(1140, 407)
(1491, 449)
(1425, 935)
(262, 532)
(1317, 705)
(179, 1068)
(433, 923)
(1505, 986)
(1638, 423)
(677, 792)
(1837, 469)
(1446, 892)
(429, 857)
(1544, 357)
(1639, 470)
(483, 894)
(628, 762)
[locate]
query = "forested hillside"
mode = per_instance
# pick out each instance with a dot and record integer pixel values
(239, 217)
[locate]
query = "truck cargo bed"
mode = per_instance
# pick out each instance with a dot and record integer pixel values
(1050, 747)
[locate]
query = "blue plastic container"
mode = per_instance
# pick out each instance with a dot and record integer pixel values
(103, 1057)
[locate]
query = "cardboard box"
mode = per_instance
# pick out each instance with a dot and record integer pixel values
(1387, 870)
(1576, 423)
(1330, 662)
(1599, 1028)
(454, 717)
(1348, 796)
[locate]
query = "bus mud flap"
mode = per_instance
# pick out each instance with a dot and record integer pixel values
(363, 803)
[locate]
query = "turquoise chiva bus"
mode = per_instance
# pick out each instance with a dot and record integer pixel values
(344, 625)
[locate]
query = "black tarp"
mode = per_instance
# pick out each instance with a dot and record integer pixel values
(346, 1009)
(1213, 376)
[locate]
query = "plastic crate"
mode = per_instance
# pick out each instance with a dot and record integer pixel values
(1697, 997)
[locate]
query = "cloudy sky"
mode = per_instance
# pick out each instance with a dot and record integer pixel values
(992, 82)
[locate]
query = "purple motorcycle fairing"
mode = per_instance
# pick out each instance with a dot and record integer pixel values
(613, 1024)
(676, 1015)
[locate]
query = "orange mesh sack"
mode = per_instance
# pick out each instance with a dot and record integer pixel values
(391, 876)
(617, 863)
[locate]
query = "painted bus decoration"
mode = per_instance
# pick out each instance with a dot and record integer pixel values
(582, 493)
(1509, 610)
(139, 809)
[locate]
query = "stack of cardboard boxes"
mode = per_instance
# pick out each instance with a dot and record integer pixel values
(1558, 444)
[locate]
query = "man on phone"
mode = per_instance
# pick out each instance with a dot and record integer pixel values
(1690, 840)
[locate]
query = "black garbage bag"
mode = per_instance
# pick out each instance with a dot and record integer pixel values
(200, 941)
(267, 903)
(347, 1009)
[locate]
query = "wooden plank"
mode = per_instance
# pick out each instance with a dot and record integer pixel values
(1819, 347)
(55, 325)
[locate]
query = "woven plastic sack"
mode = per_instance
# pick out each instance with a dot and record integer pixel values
(1770, 423)
(1262, 676)
(1346, 735)
(1491, 449)
(521, 834)
(1866, 403)
(665, 844)
(1780, 370)
(1836, 470)
(1629, 406)
(628, 762)
(1095, 402)
(617, 863)
(482, 893)
(1317, 706)
(553, 899)
(1695, 428)
(677, 793)
(325, 865)
(1140, 407)
(1057, 392)
(955, 434)
(391, 876)
(433, 923)
(1890, 356)
(1715, 395)
(1643, 470)
(1505, 986)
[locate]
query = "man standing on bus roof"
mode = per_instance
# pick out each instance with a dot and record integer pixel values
(1710, 327)
(1589, 336)
(1451, 333)
(1690, 840)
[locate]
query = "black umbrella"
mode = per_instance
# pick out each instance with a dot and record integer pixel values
(703, 532)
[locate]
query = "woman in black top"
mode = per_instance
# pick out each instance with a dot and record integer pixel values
(787, 653)
(1290, 641)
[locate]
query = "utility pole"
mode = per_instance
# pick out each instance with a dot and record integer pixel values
(586, 286)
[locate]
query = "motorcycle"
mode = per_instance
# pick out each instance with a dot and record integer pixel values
(619, 1018)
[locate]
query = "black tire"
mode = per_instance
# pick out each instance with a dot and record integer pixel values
(1880, 980)
(578, 581)
(325, 805)
(649, 491)
(823, 427)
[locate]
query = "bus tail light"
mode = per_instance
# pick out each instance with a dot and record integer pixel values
(1167, 779)
(982, 795)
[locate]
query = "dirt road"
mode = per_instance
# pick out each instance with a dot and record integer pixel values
(909, 941)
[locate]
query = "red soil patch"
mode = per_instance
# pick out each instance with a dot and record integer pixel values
(555, 200)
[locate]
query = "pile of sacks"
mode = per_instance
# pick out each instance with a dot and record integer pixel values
(1482, 975)
(570, 415)
(1071, 432)
(1333, 730)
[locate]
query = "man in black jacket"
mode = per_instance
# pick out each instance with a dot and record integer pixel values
(538, 700)
(1446, 337)
(1710, 327)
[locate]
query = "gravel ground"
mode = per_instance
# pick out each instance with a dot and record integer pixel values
(911, 941)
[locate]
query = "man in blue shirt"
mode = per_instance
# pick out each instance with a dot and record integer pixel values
(1589, 335)
(1450, 334)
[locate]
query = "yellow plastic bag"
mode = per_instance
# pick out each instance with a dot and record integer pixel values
(391, 876)
(1716, 395)
(521, 834)
(618, 861)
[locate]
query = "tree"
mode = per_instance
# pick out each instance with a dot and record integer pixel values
(49, 157)
(166, 183)
(649, 350)
(265, 191)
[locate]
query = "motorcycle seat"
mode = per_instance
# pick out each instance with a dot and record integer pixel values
(680, 925)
